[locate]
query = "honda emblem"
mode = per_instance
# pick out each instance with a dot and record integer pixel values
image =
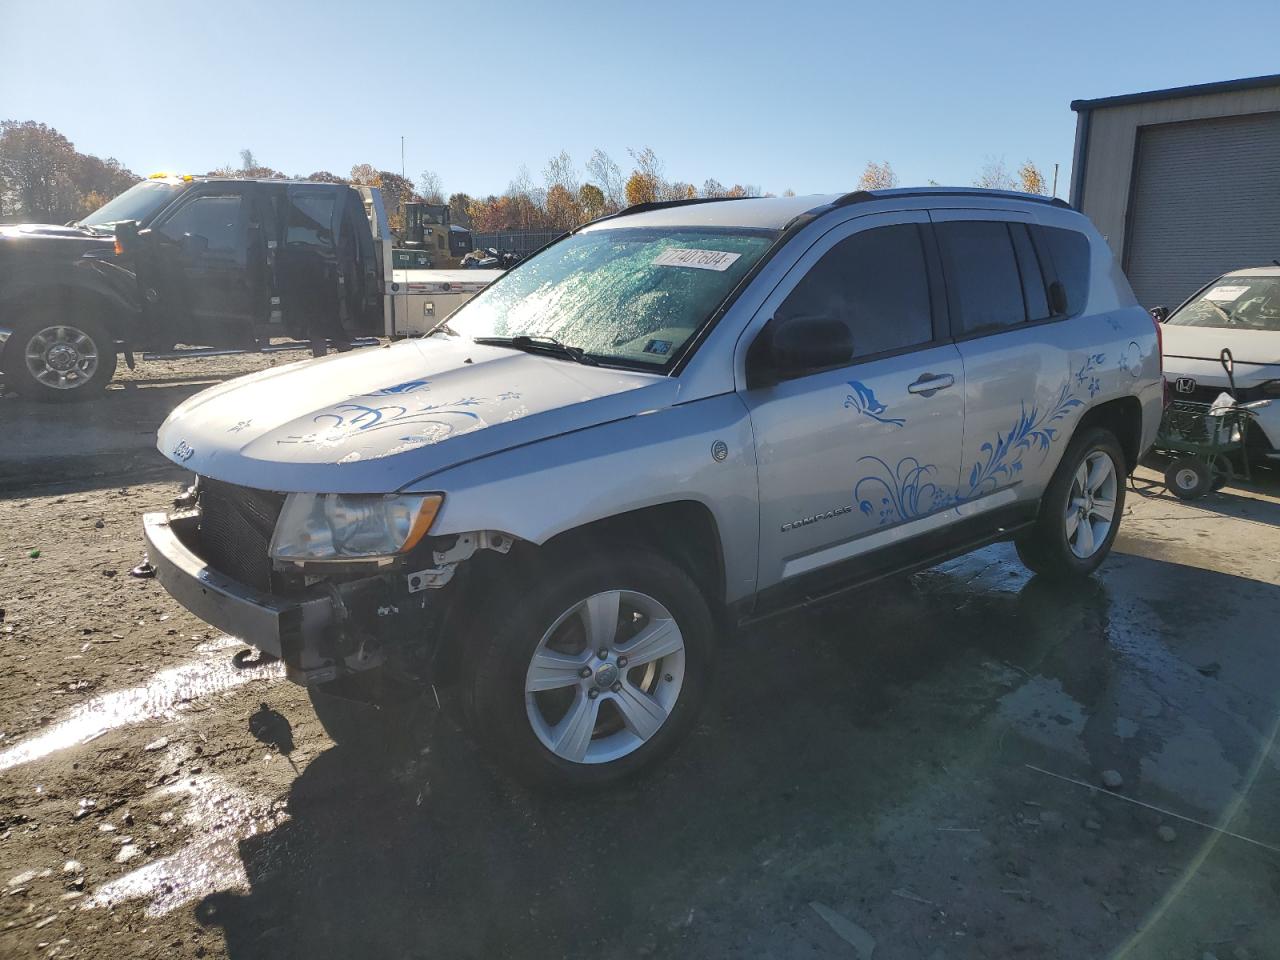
(1184, 385)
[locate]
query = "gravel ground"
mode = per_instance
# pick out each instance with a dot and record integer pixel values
(916, 767)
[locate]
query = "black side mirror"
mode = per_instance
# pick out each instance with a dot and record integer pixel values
(794, 346)
(1057, 299)
(127, 236)
(1161, 314)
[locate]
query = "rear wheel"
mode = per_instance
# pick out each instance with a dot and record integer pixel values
(59, 359)
(1080, 511)
(595, 672)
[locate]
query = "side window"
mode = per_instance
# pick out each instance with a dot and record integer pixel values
(1069, 252)
(983, 283)
(310, 222)
(1033, 278)
(215, 217)
(876, 282)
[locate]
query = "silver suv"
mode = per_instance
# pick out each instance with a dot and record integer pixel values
(671, 422)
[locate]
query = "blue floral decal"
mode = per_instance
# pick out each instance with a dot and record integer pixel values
(409, 386)
(1033, 430)
(863, 399)
(899, 493)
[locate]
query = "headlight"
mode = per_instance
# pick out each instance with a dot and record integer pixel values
(338, 526)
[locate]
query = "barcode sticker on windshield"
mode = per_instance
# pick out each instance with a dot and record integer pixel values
(1227, 292)
(698, 259)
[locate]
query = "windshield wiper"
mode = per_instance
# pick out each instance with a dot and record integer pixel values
(544, 344)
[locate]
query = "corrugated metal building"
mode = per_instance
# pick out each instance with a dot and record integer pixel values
(1184, 183)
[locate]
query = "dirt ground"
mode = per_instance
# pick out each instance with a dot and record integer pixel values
(913, 772)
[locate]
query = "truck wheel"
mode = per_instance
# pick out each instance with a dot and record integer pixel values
(594, 672)
(1080, 510)
(54, 359)
(357, 712)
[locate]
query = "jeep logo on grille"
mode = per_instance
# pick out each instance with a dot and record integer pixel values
(1184, 385)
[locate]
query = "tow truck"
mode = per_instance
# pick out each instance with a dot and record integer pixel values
(186, 266)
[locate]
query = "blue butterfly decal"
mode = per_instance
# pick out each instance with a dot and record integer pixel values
(863, 399)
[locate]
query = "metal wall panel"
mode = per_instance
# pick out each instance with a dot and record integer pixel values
(1205, 199)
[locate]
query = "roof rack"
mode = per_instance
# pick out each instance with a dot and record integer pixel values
(865, 196)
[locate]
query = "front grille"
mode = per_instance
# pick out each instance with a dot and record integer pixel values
(236, 524)
(1209, 394)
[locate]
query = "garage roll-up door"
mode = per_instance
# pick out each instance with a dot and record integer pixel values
(1206, 200)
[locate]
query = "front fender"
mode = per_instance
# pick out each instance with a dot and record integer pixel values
(701, 451)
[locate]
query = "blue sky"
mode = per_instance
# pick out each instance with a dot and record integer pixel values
(785, 95)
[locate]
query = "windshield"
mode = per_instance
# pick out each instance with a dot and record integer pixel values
(1245, 303)
(140, 202)
(630, 295)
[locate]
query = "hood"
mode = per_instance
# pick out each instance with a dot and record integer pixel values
(53, 239)
(1206, 343)
(377, 419)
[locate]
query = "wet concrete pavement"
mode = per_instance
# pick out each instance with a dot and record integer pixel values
(895, 759)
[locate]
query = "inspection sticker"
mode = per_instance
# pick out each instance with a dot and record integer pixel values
(1227, 292)
(699, 259)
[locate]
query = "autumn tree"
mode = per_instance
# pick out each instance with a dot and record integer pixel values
(459, 204)
(431, 189)
(563, 211)
(592, 201)
(712, 188)
(364, 174)
(607, 177)
(788, 192)
(641, 188)
(560, 172)
(324, 176)
(994, 176)
(44, 178)
(1031, 180)
(877, 176)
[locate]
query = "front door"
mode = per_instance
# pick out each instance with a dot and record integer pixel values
(857, 458)
(204, 290)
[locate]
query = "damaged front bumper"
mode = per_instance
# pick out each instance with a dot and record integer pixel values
(312, 633)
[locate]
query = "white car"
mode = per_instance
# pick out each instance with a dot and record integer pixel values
(1239, 311)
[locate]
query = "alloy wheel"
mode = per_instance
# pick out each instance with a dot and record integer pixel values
(61, 357)
(1091, 504)
(605, 677)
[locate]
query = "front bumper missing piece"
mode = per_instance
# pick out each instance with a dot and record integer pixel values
(310, 634)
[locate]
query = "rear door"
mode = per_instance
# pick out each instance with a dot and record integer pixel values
(207, 292)
(1020, 396)
(856, 458)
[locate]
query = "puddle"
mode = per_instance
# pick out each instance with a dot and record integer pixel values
(222, 816)
(1044, 712)
(164, 696)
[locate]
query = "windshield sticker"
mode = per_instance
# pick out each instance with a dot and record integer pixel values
(660, 347)
(716, 260)
(1226, 292)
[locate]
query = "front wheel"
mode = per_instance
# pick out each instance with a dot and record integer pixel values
(1080, 511)
(595, 671)
(59, 359)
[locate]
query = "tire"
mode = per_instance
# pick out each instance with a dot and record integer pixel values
(57, 360)
(628, 713)
(1188, 478)
(363, 711)
(1056, 546)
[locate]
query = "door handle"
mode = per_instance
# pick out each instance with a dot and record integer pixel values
(927, 384)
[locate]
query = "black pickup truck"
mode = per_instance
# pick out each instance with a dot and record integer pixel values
(224, 263)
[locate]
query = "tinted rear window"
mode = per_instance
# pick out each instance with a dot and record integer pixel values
(983, 282)
(1069, 252)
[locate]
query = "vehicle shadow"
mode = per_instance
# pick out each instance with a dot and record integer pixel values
(839, 742)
